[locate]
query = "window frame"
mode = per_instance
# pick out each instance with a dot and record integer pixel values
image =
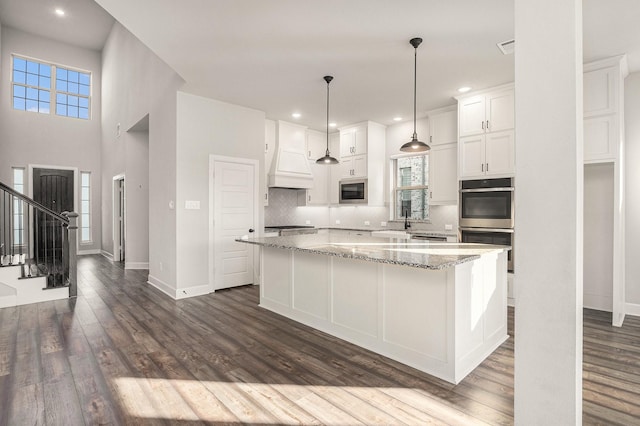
(53, 89)
(397, 188)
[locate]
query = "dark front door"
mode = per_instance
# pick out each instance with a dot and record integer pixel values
(53, 189)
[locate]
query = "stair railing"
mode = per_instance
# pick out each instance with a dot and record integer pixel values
(38, 239)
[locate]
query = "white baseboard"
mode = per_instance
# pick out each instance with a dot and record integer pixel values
(106, 254)
(632, 309)
(198, 290)
(162, 286)
(181, 293)
(136, 265)
(89, 251)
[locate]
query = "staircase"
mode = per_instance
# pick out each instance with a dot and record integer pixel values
(37, 251)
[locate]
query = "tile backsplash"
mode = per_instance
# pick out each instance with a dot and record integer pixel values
(283, 210)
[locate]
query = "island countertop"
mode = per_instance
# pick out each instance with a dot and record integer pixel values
(418, 254)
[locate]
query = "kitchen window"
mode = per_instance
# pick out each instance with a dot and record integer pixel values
(37, 85)
(412, 187)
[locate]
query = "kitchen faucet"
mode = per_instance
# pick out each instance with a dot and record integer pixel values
(407, 225)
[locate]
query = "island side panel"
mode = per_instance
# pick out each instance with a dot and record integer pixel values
(311, 284)
(480, 310)
(276, 277)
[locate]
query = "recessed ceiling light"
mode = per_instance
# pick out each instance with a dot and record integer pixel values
(397, 118)
(464, 89)
(296, 115)
(332, 124)
(59, 12)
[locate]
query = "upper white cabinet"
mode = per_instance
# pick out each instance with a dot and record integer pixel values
(316, 144)
(443, 156)
(319, 194)
(353, 140)
(443, 127)
(492, 111)
(603, 103)
(486, 146)
(269, 150)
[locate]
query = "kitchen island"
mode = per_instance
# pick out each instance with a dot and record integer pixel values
(438, 307)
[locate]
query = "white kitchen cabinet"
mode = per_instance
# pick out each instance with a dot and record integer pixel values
(353, 140)
(490, 111)
(443, 127)
(316, 144)
(269, 150)
(443, 174)
(353, 167)
(603, 104)
(599, 91)
(335, 171)
(319, 194)
(488, 155)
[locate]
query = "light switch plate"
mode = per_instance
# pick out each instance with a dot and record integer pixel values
(448, 227)
(192, 205)
(367, 223)
(307, 222)
(383, 223)
(337, 221)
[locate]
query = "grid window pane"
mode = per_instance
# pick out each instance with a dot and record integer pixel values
(85, 193)
(73, 88)
(85, 79)
(33, 67)
(32, 93)
(32, 79)
(19, 77)
(83, 113)
(19, 103)
(19, 91)
(18, 178)
(83, 102)
(72, 76)
(85, 234)
(45, 70)
(83, 89)
(72, 111)
(43, 95)
(61, 73)
(84, 207)
(61, 85)
(32, 105)
(44, 82)
(19, 64)
(43, 107)
(61, 109)
(85, 179)
(72, 100)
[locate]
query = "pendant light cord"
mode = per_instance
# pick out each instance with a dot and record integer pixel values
(415, 85)
(328, 116)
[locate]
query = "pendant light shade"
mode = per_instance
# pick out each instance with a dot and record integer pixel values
(414, 145)
(327, 159)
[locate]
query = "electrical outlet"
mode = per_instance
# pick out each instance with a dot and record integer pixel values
(307, 222)
(448, 227)
(337, 221)
(367, 223)
(383, 223)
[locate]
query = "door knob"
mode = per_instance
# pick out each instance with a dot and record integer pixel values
(251, 230)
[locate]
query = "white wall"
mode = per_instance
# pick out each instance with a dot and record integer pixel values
(632, 177)
(137, 200)
(47, 139)
(136, 83)
(204, 127)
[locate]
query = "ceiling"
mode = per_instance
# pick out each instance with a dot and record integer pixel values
(272, 55)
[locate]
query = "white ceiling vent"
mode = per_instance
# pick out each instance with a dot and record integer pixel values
(507, 47)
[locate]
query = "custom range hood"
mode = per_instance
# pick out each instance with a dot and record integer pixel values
(290, 166)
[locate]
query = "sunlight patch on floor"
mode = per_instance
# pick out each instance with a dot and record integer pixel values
(216, 401)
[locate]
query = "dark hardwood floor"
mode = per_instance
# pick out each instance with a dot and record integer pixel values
(123, 353)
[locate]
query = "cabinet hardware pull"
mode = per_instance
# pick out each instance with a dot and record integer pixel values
(482, 167)
(266, 196)
(487, 166)
(431, 139)
(483, 125)
(309, 154)
(487, 124)
(309, 197)
(430, 194)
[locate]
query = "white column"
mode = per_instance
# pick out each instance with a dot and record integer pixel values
(549, 207)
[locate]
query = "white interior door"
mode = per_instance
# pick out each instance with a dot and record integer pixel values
(234, 216)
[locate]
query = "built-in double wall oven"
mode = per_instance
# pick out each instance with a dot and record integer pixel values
(487, 212)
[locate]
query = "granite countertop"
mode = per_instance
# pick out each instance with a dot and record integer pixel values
(396, 251)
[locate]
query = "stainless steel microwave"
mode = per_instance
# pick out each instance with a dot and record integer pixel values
(353, 191)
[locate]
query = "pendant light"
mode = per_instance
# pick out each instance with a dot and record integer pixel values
(327, 159)
(414, 145)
